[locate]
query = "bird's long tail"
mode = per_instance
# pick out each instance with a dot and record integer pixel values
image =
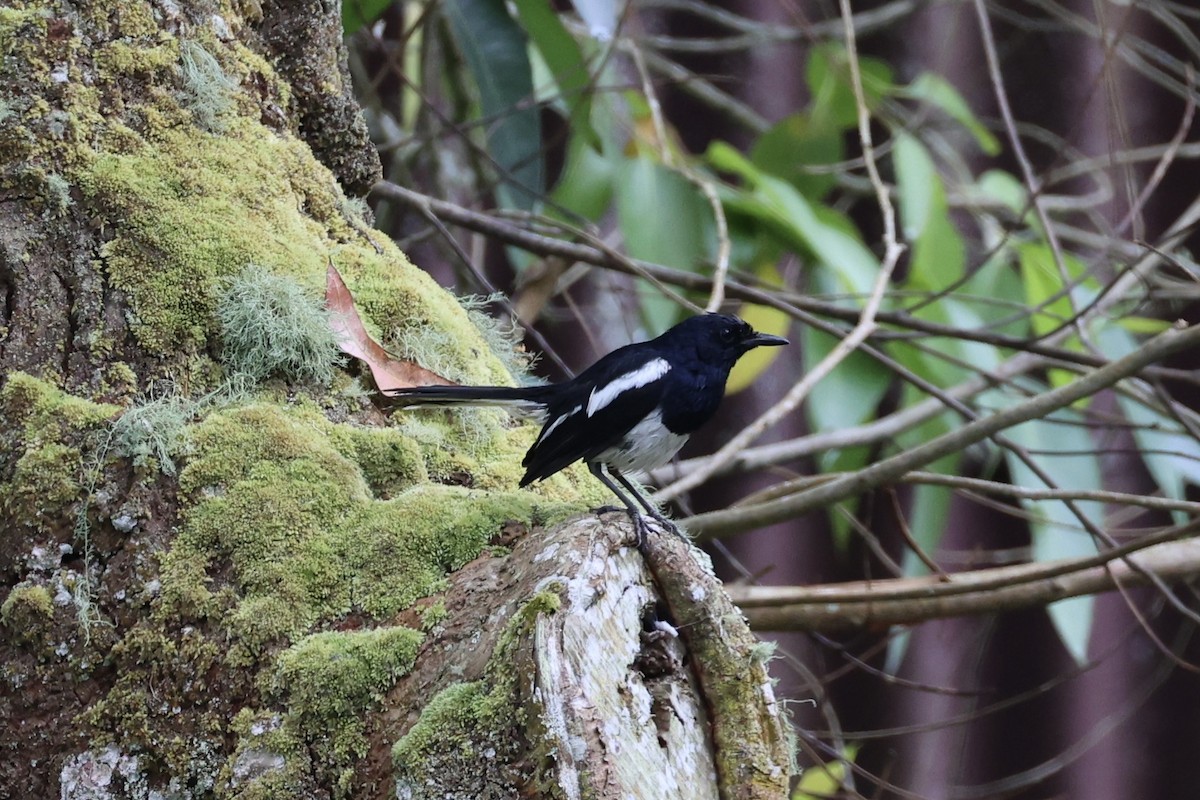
(520, 397)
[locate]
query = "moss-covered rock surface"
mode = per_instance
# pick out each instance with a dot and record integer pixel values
(207, 599)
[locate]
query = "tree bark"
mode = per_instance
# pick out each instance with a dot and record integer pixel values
(279, 592)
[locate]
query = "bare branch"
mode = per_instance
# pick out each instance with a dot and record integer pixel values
(907, 601)
(882, 472)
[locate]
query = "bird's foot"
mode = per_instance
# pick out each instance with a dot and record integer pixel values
(669, 525)
(643, 523)
(641, 529)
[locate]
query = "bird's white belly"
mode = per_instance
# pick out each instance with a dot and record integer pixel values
(648, 444)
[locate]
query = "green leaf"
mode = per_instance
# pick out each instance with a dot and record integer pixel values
(663, 219)
(1143, 325)
(725, 157)
(825, 780)
(357, 13)
(494, 47)
(1002, 187)
(564, 57)
(764, 319)
(937, 91)
(994, 292)
(917, 182)
(1062, 447)
(795, 144)
(1170, 453)
(938, 253)
(850, 394)
(1042, 282)
(586, 184)
(828, 77)
(827, 234)
(970, 356)
(930, 506)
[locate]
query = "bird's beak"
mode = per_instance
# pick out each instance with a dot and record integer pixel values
(763, 340)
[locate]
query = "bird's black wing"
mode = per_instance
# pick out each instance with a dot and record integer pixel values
(596, 414)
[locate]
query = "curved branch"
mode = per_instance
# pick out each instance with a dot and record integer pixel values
(907, 601)
(882, 472)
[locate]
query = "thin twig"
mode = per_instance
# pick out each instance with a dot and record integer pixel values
(795, 305)
(724, 246)
(968, 582)
(866, 323)
(1150, 502)
(1014, 139)
(882, 472)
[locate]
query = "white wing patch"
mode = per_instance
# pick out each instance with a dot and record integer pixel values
(647, 373)
(549, 429)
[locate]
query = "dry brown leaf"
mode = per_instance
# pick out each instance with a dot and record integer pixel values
(388, 371)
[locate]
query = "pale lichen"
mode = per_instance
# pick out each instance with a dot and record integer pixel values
(271, 326)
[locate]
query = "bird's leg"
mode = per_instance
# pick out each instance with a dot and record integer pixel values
(635, 513)
(651, 509)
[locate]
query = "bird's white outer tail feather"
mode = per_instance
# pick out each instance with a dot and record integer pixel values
(513, 398)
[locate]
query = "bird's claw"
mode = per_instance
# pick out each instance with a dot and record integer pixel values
(641, 529)
(643, 524)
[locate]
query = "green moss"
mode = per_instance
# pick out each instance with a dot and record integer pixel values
(194, 210)
(452, 724)
(282, 509)
(27, 612)
(464, 720)
(253, 625)
(390, 461)
(328, 681)
(124, 58)
(45, 478)
(433, 615)
(45, 429)
(20, 24)
(287, 521)
(282, 531)
(119, 380)
(45, 411)
(161, 695)
(181, 209)
(230, 445)
(26, 601)
(133, 20)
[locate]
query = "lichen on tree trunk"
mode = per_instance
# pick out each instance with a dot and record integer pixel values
(276, 591)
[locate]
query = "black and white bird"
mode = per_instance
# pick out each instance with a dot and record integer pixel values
(630, 411)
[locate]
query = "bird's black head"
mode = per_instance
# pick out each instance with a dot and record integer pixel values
(719, 339)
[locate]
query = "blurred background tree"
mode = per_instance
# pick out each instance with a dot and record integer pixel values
(988, 202)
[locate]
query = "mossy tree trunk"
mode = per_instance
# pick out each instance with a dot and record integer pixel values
(218, 587)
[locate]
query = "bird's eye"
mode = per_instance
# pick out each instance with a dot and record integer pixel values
(728, 335)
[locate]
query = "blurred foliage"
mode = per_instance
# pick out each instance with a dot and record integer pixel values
(983, 286)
